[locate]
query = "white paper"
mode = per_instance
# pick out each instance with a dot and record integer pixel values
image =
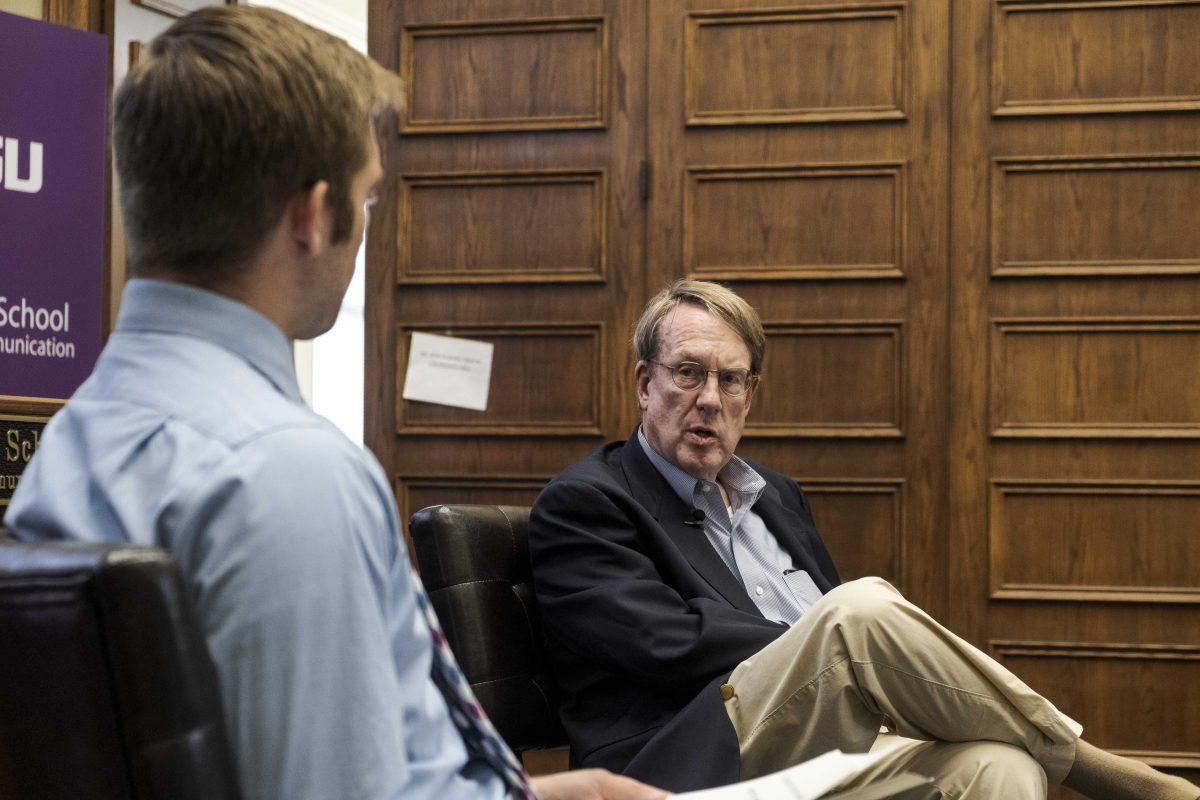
(448, 371)
(806, 781)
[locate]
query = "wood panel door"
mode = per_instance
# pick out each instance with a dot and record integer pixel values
(1075, 503)
(514, 216)
(971, 228)
(799, 155)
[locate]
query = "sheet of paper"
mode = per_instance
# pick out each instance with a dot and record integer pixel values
(806, 781)
(448, 371)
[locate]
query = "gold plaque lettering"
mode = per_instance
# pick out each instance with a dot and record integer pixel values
(20, 440)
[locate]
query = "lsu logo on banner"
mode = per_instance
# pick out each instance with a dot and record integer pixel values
(10, 166)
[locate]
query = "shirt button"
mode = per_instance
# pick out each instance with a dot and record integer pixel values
(758, 590)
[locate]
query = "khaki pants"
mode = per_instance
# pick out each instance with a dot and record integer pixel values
(864, 651)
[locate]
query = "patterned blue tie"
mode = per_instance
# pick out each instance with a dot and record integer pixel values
(477, 730)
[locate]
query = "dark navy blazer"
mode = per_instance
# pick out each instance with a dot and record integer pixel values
(644, 621)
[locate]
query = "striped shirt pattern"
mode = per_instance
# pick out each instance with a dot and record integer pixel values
(472, 722)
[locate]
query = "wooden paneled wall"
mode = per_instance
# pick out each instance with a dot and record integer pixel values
(970, 227)
(516, 218)
(1075, 534)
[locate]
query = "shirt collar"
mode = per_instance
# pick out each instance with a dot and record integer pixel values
(156, 306)
(737, 477)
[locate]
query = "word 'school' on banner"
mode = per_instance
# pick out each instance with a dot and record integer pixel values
(52, 158)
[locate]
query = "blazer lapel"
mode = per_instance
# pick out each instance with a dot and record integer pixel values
(792, 533)
(655, 495)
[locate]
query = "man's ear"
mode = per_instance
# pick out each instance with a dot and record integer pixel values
(641, 380)
(308, 218)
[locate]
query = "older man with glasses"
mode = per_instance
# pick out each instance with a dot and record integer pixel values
(699, 630)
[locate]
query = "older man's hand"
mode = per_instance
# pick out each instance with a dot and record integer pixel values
(593, 784)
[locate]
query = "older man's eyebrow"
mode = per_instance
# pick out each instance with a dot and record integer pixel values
(697, 359)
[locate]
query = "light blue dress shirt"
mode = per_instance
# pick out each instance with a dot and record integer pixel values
(191, 435)
(781, 592)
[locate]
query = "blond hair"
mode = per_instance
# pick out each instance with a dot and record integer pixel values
(234, 110)
(724, 304)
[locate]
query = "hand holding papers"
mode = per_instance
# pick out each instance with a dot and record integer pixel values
(812, 779)
(449, 371)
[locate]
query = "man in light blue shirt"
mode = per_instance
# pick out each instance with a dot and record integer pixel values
(247, 161)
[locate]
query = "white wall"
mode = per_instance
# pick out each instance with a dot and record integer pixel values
(344, 18)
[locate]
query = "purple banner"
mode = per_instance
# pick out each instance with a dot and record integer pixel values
(53, 110)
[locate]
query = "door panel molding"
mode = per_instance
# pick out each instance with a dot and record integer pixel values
(831, 87)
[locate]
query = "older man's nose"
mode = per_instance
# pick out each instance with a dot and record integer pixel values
(710, 392)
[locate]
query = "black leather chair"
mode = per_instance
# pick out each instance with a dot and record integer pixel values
(107, 691)
(474, 562)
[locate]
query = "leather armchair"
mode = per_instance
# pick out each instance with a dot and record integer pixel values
(107, 690)
(474, 562)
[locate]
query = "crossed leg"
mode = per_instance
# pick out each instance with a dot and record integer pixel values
(863, 652)
(959, 769)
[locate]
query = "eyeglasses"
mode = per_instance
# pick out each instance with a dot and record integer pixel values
(688, 375)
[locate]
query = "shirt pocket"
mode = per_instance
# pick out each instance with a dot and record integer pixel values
(803, 588)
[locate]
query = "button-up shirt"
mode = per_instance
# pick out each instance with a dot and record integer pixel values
(191, 435)
(740, 536)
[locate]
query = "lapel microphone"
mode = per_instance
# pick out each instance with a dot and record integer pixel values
(697, 520)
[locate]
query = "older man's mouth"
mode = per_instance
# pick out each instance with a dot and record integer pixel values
(700, 435)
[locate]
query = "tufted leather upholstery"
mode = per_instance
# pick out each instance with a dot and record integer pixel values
(107, 690)
(474, 561)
